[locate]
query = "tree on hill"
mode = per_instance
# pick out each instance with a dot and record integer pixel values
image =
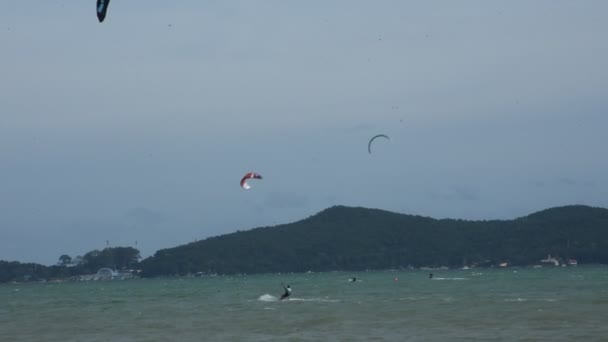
(64, 260)
(111, 257)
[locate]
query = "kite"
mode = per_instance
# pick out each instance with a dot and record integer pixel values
(369, 144)
(250, 175)
(102, 8)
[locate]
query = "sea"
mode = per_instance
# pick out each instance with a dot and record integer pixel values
(506, 304)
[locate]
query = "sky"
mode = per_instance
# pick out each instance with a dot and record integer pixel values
(136, 131)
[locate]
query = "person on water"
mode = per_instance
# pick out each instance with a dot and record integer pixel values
(287, 291)
(353, 279)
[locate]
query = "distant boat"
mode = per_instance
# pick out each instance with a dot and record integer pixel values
(572, 262)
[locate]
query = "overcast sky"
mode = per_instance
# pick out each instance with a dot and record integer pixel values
(138, 130)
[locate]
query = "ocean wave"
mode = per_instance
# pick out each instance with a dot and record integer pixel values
(527, 300)
(516, 300)
(414, 298)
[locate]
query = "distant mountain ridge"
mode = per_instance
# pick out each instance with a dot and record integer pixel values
(354, 238)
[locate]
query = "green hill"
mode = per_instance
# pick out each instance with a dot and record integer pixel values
(345, 238)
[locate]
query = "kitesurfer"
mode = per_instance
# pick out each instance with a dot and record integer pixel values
(287, 291)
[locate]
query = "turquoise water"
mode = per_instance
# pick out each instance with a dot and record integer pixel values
(551, 304)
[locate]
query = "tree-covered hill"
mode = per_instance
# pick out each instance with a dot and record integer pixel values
(345, 238)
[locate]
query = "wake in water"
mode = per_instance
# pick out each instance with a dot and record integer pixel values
(450, 278)
(270, 298)
(313, 300)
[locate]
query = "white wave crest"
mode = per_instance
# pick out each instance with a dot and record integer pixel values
(516, 300)
(533, 299)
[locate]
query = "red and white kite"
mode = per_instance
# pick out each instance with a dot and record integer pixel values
(250, 175)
